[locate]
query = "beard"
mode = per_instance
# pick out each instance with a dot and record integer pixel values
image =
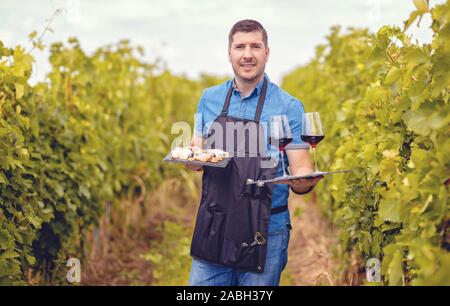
(248, 76)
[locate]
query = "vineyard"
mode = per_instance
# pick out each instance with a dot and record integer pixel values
(385, 102)
(90, 137)
(94, 132)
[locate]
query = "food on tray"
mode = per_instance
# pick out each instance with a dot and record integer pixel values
(195, 153)
(218, 153)
(203, 157)
(181, 153)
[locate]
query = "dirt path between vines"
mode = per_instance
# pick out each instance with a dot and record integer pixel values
(120, 259)
(313, 239)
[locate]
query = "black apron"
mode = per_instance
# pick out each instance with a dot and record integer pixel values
(232, 220)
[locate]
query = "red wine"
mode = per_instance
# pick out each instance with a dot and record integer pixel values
(313, 140)
(282, 143)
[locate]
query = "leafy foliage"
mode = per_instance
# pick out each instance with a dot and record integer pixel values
(72, 143)
(385, 104)
(170, 257)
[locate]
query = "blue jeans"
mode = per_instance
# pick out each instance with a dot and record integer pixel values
(208, 274)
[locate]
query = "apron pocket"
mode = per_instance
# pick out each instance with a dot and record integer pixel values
(246, 258)
(262, 192)
(247, 190)
(214, 235)
(209, 232)
(201, 229)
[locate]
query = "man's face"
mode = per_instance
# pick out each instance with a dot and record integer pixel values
(248, 55)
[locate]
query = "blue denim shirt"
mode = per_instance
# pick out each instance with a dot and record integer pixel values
(277, 102)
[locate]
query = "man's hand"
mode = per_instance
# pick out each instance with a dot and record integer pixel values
(303, 184)
(198, 142)
(300, 164)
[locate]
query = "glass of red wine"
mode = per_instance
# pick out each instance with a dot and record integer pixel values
(280, 134)
(312, 132)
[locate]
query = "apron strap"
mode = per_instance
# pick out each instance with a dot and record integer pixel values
(262, 98)
(227, 101)
(259, 108)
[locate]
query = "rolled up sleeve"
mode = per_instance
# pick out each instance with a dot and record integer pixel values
(199, 121)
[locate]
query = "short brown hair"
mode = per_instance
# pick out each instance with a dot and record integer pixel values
(247, 26)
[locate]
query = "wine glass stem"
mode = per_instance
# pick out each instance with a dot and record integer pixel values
(282, 161)
(315, 159)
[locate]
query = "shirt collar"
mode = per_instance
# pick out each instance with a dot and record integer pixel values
(257, 89)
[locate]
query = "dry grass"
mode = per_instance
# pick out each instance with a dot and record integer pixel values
(313, 239)
(126, 232)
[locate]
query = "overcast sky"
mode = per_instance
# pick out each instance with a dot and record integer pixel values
(191, 35)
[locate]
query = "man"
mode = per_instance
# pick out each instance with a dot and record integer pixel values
(222, 255)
